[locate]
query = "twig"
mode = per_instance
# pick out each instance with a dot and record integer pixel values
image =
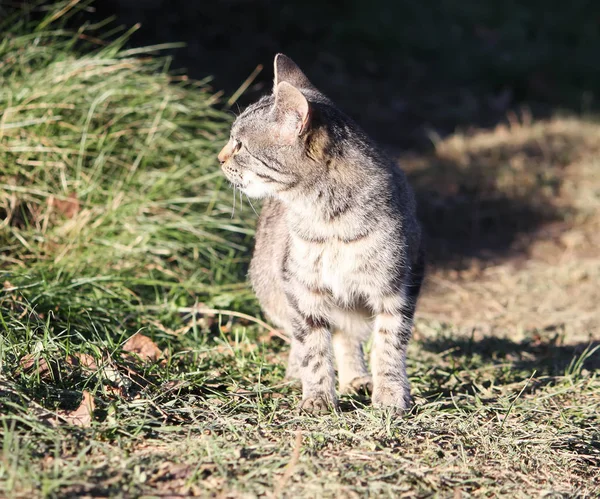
(217, 311)
(232, 313)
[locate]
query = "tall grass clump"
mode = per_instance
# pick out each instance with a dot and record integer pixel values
(111, 200)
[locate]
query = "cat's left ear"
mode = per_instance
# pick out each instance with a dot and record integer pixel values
(292, 112)
(287, 70)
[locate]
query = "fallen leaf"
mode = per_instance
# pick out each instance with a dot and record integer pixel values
(172, 332)
(82, 360)
(82, 416)
(143, 347)
(68, 207)
(228, 350)
(30, 362)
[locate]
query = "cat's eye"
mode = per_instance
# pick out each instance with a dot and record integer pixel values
(237, 145)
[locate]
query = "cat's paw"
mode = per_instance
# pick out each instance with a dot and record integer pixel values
(317, 405)
(359, 385)
(395, 397)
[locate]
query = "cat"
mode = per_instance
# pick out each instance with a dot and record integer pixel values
(338, 250)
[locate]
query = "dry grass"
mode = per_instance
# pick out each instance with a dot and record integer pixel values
(485, 424)
(543, 275)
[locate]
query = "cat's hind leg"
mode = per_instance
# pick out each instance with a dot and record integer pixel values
(294, 360)
(351, 331)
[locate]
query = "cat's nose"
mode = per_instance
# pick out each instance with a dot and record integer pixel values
(225, 154)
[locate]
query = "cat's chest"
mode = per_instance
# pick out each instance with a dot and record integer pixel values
(342, 269)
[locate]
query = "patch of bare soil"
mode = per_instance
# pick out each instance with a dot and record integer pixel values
(513, 229)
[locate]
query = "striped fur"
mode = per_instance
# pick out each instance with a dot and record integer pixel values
(338, 247)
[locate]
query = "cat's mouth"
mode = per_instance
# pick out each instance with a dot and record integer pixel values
(238, 184)
(233, 176)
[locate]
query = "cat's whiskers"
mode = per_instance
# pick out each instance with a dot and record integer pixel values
(233, 207)
(251, 205)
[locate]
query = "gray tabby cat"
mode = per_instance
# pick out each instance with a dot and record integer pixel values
(338, 246)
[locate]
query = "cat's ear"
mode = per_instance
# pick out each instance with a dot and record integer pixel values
(292, 112)
(287, 70)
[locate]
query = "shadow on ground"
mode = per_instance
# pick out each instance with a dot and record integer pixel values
(487, 197)
(545, 357)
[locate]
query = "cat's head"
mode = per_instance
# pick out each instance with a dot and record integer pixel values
(272, 144)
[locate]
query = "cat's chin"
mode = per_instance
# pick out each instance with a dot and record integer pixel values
(256, 191)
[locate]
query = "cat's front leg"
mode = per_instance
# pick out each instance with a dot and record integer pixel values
(312, 344)
(393, 328)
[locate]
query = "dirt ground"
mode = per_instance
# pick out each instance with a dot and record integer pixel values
(539, 278)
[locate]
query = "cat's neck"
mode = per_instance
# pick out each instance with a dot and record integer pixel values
(338, 202)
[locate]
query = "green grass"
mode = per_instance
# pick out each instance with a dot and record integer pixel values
(115, 219)
(132, 154)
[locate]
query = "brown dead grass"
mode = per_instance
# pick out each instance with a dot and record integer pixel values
(544, 274)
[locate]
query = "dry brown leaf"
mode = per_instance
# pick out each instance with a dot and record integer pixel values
(82, 360)
(45, 369)
(28, 363)
(82, 416)
(66, 207)
(143, 347)
(172, 479)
